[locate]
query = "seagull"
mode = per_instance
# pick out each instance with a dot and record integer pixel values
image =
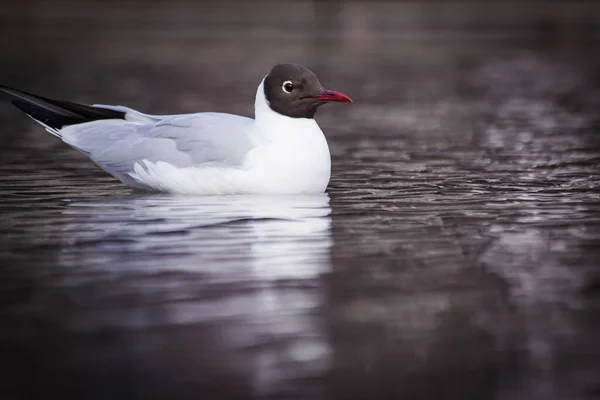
(281, 151)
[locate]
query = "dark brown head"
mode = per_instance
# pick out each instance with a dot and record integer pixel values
(295, 91)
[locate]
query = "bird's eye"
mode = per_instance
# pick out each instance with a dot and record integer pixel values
(287, 86)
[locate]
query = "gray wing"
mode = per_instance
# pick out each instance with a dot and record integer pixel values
(181, 140)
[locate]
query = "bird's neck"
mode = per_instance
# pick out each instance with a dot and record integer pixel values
(276, 126)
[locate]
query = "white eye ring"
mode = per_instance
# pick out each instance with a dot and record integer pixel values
(285, 84)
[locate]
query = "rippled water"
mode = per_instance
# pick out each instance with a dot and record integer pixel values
(454, 255)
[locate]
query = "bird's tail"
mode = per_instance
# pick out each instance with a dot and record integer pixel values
(56, 114)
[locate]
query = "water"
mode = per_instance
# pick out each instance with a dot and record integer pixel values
(455, 254)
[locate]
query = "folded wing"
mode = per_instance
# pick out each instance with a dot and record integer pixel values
(122, 140)
(193, 140)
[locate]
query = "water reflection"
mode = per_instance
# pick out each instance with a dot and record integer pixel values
(238, 278)
(263, 237)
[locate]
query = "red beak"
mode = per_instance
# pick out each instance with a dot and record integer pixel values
(330, 95)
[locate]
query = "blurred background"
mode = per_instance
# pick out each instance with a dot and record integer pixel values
(454, 256)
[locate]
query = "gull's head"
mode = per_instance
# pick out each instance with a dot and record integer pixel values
(295, 91)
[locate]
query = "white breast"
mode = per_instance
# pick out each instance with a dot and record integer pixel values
(293, 156)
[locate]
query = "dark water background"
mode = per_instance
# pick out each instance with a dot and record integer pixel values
(454, 256)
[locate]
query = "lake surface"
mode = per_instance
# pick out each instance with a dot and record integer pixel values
(455, 253)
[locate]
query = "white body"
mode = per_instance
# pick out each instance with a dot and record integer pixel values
(208, 153)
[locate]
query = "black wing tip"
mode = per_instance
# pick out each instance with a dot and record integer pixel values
(58, 113)
(21, 105)
(15, 92)
(46, 117)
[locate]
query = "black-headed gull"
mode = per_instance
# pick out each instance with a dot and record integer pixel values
(281, 150)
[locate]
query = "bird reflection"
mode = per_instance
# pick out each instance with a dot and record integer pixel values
(235, 276)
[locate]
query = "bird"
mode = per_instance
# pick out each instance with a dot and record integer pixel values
(282, 150)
